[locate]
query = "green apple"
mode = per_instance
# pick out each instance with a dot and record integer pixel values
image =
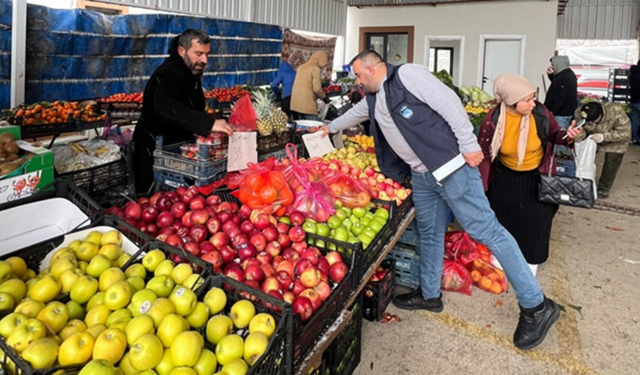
(370, 232)
(87, 250)
(383, 213)
(369, 214)
(180, 272)
(141, 301)
(76, 350)
(136, 282)
(357, 229)
(216, 300)
(98, 265)
(118, 295)
(161, 285)
(322, 229)
(10, 322)
(320, 243)
(194, 281)
(170, 326)
(123, 259)
(146, 352)
(111, 251)
(30, 330)
(183, 370)
(97, 299)
(186, 348)
(164, 268)
(138, 326)
(242, 312)
(110, 345)
(365, 221)
(41, 353)
(74, 245)
(165, 366)
(207, 363)
(6, 302)
(119, 316)
(254, 346)
(198, 318)
(94, 237)
(283, 219)
(111, 237)
(45, 289)
(69, 278)
(109, 277)
(310, 227)
(73, 326)
(264, 323)
(125, 366)
(84, 288)
(16, 288)
(152, 259)
(236, 367)
(76, 311)
(98, 366)
(218, 327)
(184, 299)
(340, 214)
(347, 211)
(366, 240)
(334, 221)
(97, 315)
(54, 315)
(159, 308)
(347, 224)
(341, 234)
(376, 226)
(229, 348)
(62, 264)
(136, 269)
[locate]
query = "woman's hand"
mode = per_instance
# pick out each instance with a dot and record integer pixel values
(573, 131)
(221, 126)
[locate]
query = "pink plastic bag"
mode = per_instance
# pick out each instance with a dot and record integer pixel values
(351, 192)
(243, 114)
(455, 278)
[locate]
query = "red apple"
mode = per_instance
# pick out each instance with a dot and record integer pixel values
(214, 258)
(228, 253)
(166, 231)
(206, 247)
(245, 211)
(178, 209)
(284, 240)
(270, 233)
(302, 265)
(133, 210)
(297, 234)
(338, 271)
(199, 216)
(277, 294)
(193, 190)
(234, 207)
(239, 240)
(333, 257)
(192, 247)
(288, 296)
(174, 240)
(234, 271)
(303, 307)
(285, 279)
(249, 262)
(149, 214)
(290, 254)
(323, 289)
(219, 239)
(310, 277)
(254, 272)
(225, 216)
(313, 254)
(164, 219)
(313, 296)
(197, 203)
(225, 206)
(186, 219)
(323, 265)
(164, 203)
(296, 218)
(259, 241)
(271, 283)
(297, 287)
(287, 266)
(227, 226)
(214, 225)
(283, 227)
(264, 257)
(254, 285)
(236, 219)
(212, 200)
(273, 248)
(198, 233)
(268, 269)
(246, 251)
(300, 246)
(261, 221)
(246, 227)
(154, 198)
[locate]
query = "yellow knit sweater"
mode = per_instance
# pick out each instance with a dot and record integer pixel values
(509, 149)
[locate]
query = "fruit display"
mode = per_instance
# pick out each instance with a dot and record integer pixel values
(354, 158)
(225, 95)
(135, 97)
(270, 118)
(54, 113)
(139, 315)
(364, 142)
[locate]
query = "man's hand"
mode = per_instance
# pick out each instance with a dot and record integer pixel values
(572, 131)
(473, 158)
(325, 130)
(221, 126)
(550, 70)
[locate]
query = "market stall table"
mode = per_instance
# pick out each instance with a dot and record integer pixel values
(313, 360)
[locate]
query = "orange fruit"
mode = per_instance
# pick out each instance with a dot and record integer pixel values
(486, 283)
(478, 263)
(496, 288)
(476, 276)
(494, 277)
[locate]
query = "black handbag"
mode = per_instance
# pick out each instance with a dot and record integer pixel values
(570, 191)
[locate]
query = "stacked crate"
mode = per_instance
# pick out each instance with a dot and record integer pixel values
(618, 89)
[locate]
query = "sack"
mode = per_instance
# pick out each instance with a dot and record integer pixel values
(455, 278)
(351, 192)
(570, 191)
(243, 114)
(460, 247)
(586, 161)
(264, 188)
(487, 277)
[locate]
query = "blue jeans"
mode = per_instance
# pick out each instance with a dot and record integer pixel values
(462, 192)
(635, 121)
(564, 121)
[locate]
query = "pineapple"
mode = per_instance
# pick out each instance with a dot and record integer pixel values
(270, 118)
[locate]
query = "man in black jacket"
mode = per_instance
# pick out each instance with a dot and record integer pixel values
(173, 104)
(634, 102)
(562, 96)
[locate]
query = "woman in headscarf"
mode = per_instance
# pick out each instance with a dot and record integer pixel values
(517, 138)
(307, 87)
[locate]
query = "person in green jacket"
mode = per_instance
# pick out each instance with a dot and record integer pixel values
(608, 125)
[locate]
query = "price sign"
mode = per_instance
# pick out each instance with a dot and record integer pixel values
(337, 140)
(316, 144)
(242, 150)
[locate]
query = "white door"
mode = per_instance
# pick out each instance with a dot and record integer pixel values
(500, 56)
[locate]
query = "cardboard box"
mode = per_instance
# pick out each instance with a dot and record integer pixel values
(25, 184)
(13, 129)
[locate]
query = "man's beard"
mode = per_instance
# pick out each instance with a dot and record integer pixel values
(192, 66)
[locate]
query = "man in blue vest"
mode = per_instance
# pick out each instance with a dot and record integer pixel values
(421, 130)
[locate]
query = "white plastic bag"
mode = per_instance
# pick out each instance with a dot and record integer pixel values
(586, 161)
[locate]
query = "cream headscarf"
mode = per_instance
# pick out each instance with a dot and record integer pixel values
(509, 89)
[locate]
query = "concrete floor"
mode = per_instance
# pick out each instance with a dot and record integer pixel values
(593, 272)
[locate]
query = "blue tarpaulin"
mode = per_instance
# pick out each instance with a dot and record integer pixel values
(78, 54)
(5, 52)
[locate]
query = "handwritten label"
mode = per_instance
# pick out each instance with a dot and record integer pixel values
(337, 140)
(242, 150)
(316, 145)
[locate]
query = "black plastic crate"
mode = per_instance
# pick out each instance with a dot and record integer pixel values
(378, 294)
(277, 359)
(407, 265)
(61, 189)
(168, 159)
(410, 236)
(343, 355)
(396, 213)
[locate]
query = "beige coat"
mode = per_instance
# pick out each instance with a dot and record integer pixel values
(307, 86)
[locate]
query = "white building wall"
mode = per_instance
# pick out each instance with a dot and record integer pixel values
(535, 19)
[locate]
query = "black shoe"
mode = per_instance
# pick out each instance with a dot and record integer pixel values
(534, 324)
(415, 301)
(603, 193)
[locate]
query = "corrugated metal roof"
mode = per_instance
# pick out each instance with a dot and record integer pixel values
(416, 2)
(600, 19)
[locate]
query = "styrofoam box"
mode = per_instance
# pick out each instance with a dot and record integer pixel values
(35, 222)
(127, 246)
(305, 124)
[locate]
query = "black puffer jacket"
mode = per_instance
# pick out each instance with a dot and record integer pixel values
(562, 97)
(173, 106)
(634, 83)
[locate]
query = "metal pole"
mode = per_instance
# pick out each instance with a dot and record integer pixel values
(18, 51)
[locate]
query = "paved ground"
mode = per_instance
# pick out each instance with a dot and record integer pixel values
(593, 272)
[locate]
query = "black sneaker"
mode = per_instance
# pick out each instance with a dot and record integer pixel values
(603, 193)
(534, 324)
(415, 301)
